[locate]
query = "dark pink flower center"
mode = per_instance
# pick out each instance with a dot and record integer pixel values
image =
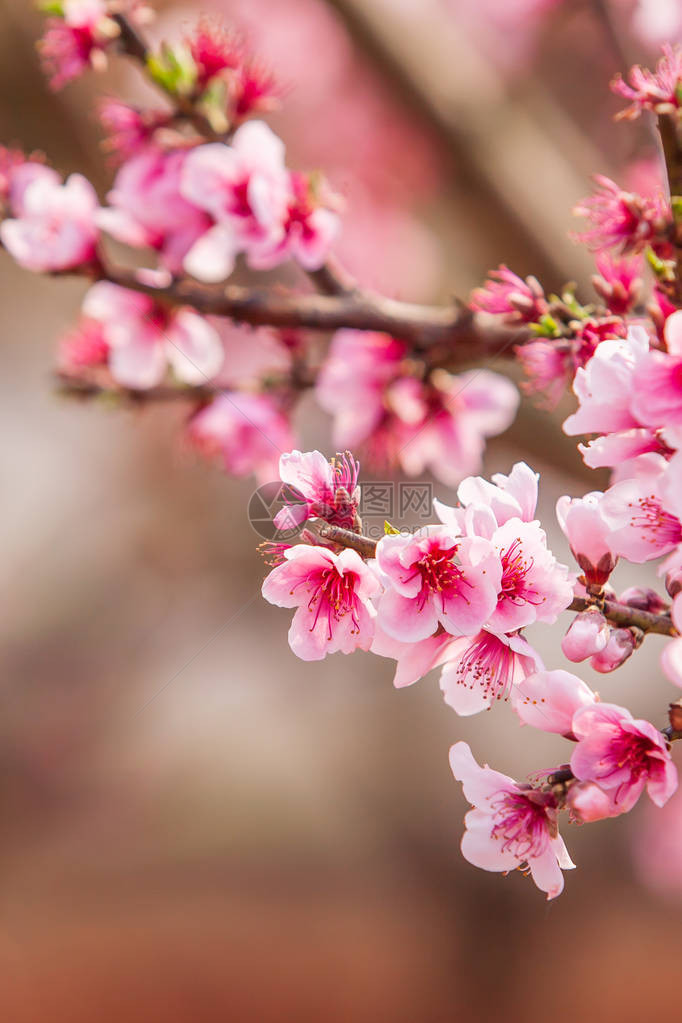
(439, 575)
(332, 596)
(521, 825)
(515, 568)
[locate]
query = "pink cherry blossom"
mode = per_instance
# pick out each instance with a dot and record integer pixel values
(352, 381)
(311, 226)
(146, 208)
(245, 189)
(619, 281)
(128, 129)
(332, 593)
(214, 50)
(534, 585)
(76, 40)
(506, 294)
(321, 489)
(54, 228)
(458, 414)
(587, 532)
(247, 432)
(143, 340)
(657, 90)
(640, 527)
(426, 587)
(486, 668)
(512, 496)
(624, 220)
(587, 634)
(511, 825)
(605, 387)
(622, 755)
(83, 347)
(548, 700)
(413, 660)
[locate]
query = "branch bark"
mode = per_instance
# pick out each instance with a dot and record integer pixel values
(420, 325)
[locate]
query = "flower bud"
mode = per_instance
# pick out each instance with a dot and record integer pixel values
(588, 634)
(644, 599)
(587, 802)
(620, 645)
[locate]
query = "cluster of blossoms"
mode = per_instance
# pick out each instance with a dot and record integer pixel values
(204, 187)
(457, 595)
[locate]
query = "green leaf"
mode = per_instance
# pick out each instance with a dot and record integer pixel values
(173, 69)
(54, 7)
(390, 530)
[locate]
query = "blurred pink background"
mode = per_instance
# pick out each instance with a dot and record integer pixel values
(195, 824)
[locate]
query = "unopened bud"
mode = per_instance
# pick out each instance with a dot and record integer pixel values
(619, 647)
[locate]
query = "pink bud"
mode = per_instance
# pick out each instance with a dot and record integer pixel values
(581, 520)
(587, 634)
(587, 802)
(620, 645)
(644, 599)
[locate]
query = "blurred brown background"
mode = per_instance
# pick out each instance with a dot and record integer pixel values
(195, 824)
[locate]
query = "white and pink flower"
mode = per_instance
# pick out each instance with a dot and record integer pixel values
(143, 341)
(320, 489)
(53, 227)
(511, 825)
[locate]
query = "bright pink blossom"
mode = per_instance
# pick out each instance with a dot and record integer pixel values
(506, 294)
(548, 700)
(128, 129)
(587, 634)
(321, 489)
(310, 227)
(534, 585)
(624, 220)
(659, 91)
(245, 189)
(622, 755)
(511, 825)
(247, 432)
(214, 50)
(619, 281)
(252, 89)
(442, 427)
(434, 577)
(587, 532)
(55, 224)
(76, 40)
(143, 340)
(332, 593)
(146, 208)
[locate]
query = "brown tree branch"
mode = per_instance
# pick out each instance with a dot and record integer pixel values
(421, 325)
(618, 614)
